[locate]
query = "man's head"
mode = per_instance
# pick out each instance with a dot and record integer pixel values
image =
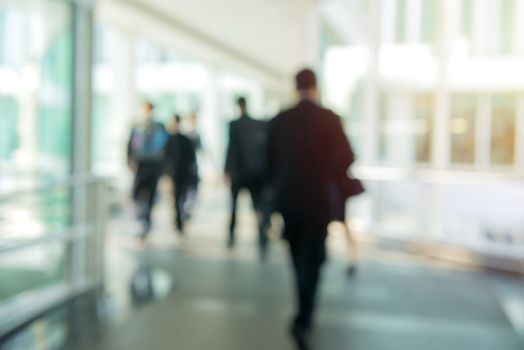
(148, 110)
(176, 122)
(306, 85)
(242, 105)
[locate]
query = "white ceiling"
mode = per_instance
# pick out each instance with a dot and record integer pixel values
(272, 36)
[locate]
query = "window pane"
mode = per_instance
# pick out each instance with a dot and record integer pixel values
(385, 128)
(32, 268)
(506, 26)
(503, 130)
(8, 126)
(429, 20)
(467, 18)
(401, 21)
(36, 85)
(462, 128)
(354, 123)
(423, 125)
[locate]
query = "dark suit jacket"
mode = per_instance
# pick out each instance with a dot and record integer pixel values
(181, 159)
(307, 150)
(245, 158)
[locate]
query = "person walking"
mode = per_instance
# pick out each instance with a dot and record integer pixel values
(145, 154)
(182, 167)
(246, 169)
(307, 151)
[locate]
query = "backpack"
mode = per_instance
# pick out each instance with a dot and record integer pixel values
(148, 142)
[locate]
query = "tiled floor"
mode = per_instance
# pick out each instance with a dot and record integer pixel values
(190, 293)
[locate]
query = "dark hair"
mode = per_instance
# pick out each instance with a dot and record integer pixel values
(149, 105)
(305, 79)
(177, 118)
(241, 102)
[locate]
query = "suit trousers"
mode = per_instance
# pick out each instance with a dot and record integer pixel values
(260, 204)
(308, 252)
(181, 194)
(144, 190)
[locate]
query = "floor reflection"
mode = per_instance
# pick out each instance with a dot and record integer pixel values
(85, 319)
(148, 284)
(77, 322)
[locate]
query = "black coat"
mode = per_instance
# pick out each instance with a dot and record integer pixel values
(307, 152)
(246, 152)
(181, 159)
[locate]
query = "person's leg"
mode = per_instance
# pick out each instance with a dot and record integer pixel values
(256, 191)
(294, 230)
(139, 197)
(235, 189)
(150, 186)
(179, 205)
(315, 252)
(352, 249)
(191, 193)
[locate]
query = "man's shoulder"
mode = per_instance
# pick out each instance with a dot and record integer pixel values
(159, 126)
(283, 114)
(180, 139)
(234, 123)
(183, 137)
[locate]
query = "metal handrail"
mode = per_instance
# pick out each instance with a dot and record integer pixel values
(63, 235)
(72, 181)
(433, 176)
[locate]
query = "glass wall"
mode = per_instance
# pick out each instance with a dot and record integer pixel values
(462, 128)
(503, 128)
(436, 101)
(424, 105)
(35, 87)
(130, 69)
(36, 72)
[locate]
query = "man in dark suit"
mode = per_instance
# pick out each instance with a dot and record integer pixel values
(307, 150)
(246, 168)
(182, 167)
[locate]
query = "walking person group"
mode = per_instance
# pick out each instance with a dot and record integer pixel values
(153, 151)
(296, 164)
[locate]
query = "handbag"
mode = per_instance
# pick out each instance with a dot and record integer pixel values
(350, 186)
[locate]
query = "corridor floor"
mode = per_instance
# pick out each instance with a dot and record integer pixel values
(191, 293)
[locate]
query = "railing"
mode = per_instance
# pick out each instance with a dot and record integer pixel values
(51, 245)
(479, 215)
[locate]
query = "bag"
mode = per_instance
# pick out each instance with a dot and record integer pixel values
(148, 142)
(350, 186)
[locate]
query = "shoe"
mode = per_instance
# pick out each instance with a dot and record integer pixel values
(301, 336)
(263, 254)
(351, 270)
(230, 242)
(180, 229)
(146, 228)
(143, 236)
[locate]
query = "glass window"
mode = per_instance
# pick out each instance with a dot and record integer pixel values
(8, 129)
(2, 35)
(386, 128)
(54, 102)
(462, 128)
(401, 21)
(424, 104)
(102, 44)
(503, 130)
(32, 268)
(35, 102)
(429, 21)
(354, 124)
(506, 26)
(101, 109)
(467, 18)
